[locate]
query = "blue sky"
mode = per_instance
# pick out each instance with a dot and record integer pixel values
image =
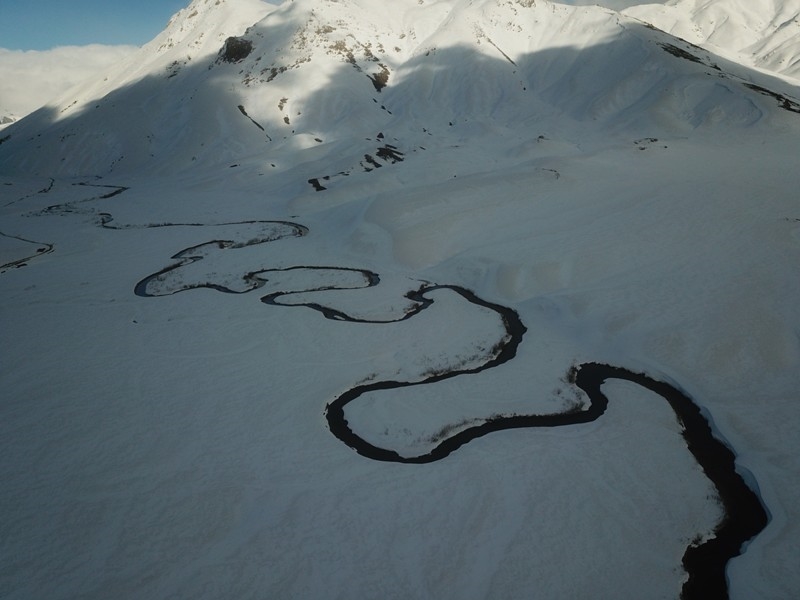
(44, 24)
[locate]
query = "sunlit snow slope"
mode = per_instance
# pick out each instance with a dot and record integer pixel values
(272, 205)
(761, 33)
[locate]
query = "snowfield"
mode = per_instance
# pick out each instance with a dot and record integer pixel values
(208, 250)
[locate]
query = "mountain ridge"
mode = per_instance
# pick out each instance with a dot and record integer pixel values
(316, 73)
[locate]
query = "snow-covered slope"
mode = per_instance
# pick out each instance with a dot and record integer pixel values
(761, 33)
(278, 229)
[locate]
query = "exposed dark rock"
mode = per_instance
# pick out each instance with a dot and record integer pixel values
(681, 53)
(390, 153)
(317, 185)
(784, 102)
(235, 50)
(380, 80)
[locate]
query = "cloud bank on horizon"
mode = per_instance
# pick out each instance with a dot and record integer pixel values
(28, 80)
(47, 47)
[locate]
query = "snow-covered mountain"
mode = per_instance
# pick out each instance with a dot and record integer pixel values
(763, 34)
(310, 299)
(315, 76)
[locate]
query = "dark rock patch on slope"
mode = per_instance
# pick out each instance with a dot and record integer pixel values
(235, 50)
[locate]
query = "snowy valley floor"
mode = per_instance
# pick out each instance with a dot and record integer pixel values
(164, 433)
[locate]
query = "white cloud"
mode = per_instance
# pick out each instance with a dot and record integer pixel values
(29, 79)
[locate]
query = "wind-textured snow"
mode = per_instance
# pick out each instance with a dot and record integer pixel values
(631, 194)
